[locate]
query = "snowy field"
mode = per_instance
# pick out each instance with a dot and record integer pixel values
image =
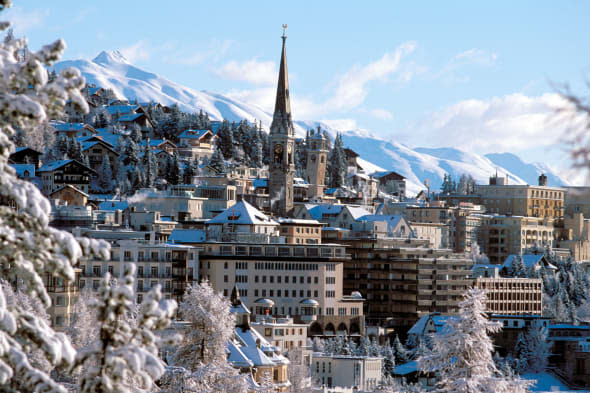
(546, 382)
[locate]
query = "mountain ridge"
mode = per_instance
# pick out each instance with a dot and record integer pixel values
(110, 69)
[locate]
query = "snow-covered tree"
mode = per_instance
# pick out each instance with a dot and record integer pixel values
(337, 163)
(104, 177)
(217, 161)
(212, 326)
(388, 359)
(150, 165)
(82, 329)
(188, 173)
(401, 353)
(537, 349)
(200, 358)
(462, 353)
(476, 255)
(125, 357)
(31, 249)
(299, 373)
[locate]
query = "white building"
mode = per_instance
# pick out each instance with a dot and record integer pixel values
(361, 372)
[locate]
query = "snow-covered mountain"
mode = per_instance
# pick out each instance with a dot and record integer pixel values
(112, 70)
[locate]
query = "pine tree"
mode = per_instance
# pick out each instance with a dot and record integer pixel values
(174, 175)
(105, 175)
(150, 165)
(388, 360)
(188, 173)
(217, 161)
(338, 163)
(31, 249)
(401, 353)
(225, 139)
(462, 353)
(538, 348)
(126, 354)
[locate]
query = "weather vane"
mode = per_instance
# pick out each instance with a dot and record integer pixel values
(284, 31)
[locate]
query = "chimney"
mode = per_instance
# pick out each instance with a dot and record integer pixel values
(543, 180)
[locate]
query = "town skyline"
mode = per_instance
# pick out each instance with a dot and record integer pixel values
(430, 78)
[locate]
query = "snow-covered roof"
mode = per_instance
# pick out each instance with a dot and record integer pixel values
(392, 220)
(236, 357)
(90, 144)
(406, 368)
(130, 116)
(59, 126)
(357, 212)
(70, 187)
(121, 109)
(529, 260)
(113, 205)
(318, 211)
(51, 166)
(297, 221)
(23, 148)
(21, 168)
(187, 236)
(262, 354)
(242, 213)
(193, 134)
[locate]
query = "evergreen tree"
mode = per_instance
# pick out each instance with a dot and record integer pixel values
(462, 353)
(189, 173)
(338, 164)
(105, 175)
(225, 140)
(401, 353)
(388, 360)
(217, 161)
(126, 354)
(462, 186)
(136, 135)
(150, 165)
(174, 174)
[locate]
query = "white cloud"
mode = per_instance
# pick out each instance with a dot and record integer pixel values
(450, 74)
(251, 71)
(341, 124)
(514, 122)
(22, 21)
(476, 56)
(263, 97)
(382, 114)
(137, 52)
(351, 88)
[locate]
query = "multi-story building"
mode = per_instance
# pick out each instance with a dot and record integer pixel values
(63, 295)
(392, 183)
(577, 200)
(522, 200)
(467, 231)
(512, 295)
(177, 203)
(283, 333)
(59, 173)
(361, 372)
(171, 266)
(300, 231)
(195, 144)
(402, 280)
(574, 235)
(502, 236)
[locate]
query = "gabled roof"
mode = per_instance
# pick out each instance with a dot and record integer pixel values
(318, 211)
(392, 174)
(392, 220)
(157, 142)
(357, 212)
(130, 116)
(62, 127)
(242, 213)
(25, 148)
(529, 261)
(89, 144)
(193, 134)
(70, 187)
(21, 168)
(121, 109)
(52, 166)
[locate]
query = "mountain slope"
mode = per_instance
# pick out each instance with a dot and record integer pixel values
(112, 70)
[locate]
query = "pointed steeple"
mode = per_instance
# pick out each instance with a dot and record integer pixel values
(283, 102)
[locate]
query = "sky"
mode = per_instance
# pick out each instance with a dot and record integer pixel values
(479, 76)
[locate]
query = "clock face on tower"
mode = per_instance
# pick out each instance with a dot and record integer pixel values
(278, 156)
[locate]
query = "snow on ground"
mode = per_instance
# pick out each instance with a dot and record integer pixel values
(546, 382)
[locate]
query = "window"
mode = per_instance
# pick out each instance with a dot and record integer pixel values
(341, 311)
(225, 278)
(329, 310)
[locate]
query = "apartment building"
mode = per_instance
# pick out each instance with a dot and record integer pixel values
(522, 200)
(283, 333)
(503, 235)
(512, 296)
(300, 231)
(64, 294)
(303, 281)
(177, 203)
(171, 266)
(402, 279)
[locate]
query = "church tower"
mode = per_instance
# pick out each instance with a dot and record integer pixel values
(282, 145)
(317, 154)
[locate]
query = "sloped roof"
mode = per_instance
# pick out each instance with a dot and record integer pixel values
(357, 212)
(121, 109)
(51, 166)
(318, 211)
(89, 144)
(113, 205)
(236, 357)
(21, 168)
(71, 187)
(130, 116)
(392, 220)
(260, 183)
(529, 260)
(242, 213)
(23, 148)
(193, 134)
(187, 236)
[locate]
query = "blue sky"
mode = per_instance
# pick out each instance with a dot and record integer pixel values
(467, 74)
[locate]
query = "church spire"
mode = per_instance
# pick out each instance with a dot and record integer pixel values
(283, 102)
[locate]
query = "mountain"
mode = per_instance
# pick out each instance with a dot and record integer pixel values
(111, 70)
